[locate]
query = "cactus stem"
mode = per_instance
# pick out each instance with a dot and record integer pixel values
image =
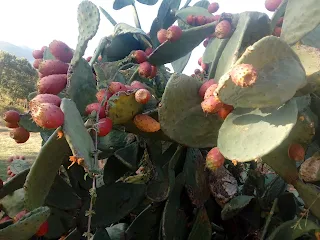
(108, 16)
(134, 75)
(265, 229)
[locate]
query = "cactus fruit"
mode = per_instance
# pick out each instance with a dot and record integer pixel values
(89, 58)
(244, 75)
(213, 7)
(20, 135)
(19, 215)
(205, 86)
(142, 96)
(223, 29)
(11, 116)
(43, 230)
(148, 51)
(191, 20)
(201, 20)
(153, 72)
(47, 115)
(162, 35)
(200, 61)
(95, 107)
(211, 105)
(37, 54)
(280, 22)
(146, 123)
(214, 159)
(115, 87)
(137, 85)
(277, 31)
(50, 67)
(145, 69)
(52, 84)
(104, 126)
(102, 93)
(296, 152)
(11, 125)
(204, 66)
(45, 98)
(61, 51)
(174, 33)
(139, 56)
(272, 5)
(225, 110)
(206, 42)
(210, 90)
(197, 71)
(36, 63)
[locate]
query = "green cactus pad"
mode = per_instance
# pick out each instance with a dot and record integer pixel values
(27, 123)
(312, 38)
(14, 203)
(179, 65)
(122, 199)
(106, 71)
(148, 2)
(196, 179)
(18, 165)
(242, 125)
(113, 170)
(32, 95)
(123, 107)
(76, 134)
(280, 75)
(280, 11)
(26, 227)
(171, 51)
(129, 155)
(195, 11)
(158, 188)
(112, 142)
(300, 19)
(202, 3)
(100, 234)
(251, 27)
(235, 206)
(14, 183)
(117, 231)
(118, 4)
(201, 227)
(181, 116)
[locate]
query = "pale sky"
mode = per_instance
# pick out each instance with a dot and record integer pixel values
(34, 23)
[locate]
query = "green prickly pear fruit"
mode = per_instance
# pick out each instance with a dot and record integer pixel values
(43, 229)
(102, 93)
(45, 98)
(211, 105)
(162, 35)
(95, 107)
(272, 5)
(148, 51)
(296, 152)
(61, 51)
(12, 125)
(153, 72)
(191, 20)
(223, 29)
(139, 56)
(280, 22)
(214, 159)
(50, 67)
(20, 135)
(11, 116)
(115, 87)
(210, 90)
(142, 96)
(52, 84)
(146, 123)
(138, 85)
(277, 31)
(145, 69)
(36, 63)
(224, 111)
(244, 75)
(213, 7)
(201, 20)
(205, 86)
(37, 54)
(47, 115)
(104, 126)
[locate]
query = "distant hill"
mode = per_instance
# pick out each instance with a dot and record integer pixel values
(19, 51)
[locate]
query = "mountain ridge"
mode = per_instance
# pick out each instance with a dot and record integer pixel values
(19, 51)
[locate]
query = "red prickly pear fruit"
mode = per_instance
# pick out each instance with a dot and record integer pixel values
(200, 61)
(129, 87)
(211, 105)
(5, 219)
(244, 75)
(102, 93)
(223, 29)
(205, 86)
(43, 49)
(12, 125)
(45, 98)
(280, 22)
(197, 71)
(216, 17)
(19, 215)
(142, 96)
(153, 72)
(210, 90)
(43, 229)
(61, 51)
(47, 115)
(296, 152)
(277, 31)
(146, 123)
(11, 116)
(95, 107)
(139, 56)
(174, 33)
(52, 84)
(201, 20)
(9, 173)
(20, 135)
(36, 63)
(104, 126)
(206, 42)
(204, 66)
(213, 7)
(191, 20)
(214, 159)
(100, 58)
(10, 159)
(224, 111)
(50, 67)
(89, 58)
(162, 35)
(115, 87)
(148, 51)
(145, 69)
(138, 85)
(272, 5)
(37, 54)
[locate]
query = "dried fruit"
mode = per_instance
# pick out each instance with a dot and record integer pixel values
(205, 86)
(296, 152)
(201, 20)
(225, 110)
(102, 93)
(139, 56)
(146, 123)
(142, 96)
(214, 159)
(45, 98)
(95, 107)
(162, 35)
(50, 67)
(37, 54)
(191, 20)
(145, 69)
(11, 116)
(138, 85)
(115, 87)
(213, 7)
(223, 29)
(174, 33)
(244, 75)
(61, 51)
(52, 84)
(12, 125)
(36, 63)
(44, 228)
(211, 105)
(20, 135)
(47, 115)
(272, 5)
(148, 51)
(153, 72)
(104, 126)
(210, 91)
(277, 31)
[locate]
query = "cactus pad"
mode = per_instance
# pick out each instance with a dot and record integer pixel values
(14, 183)
(14, 203)
(118, 4)
(19, 165)
(27, 123)
(112, 142)
(280, 75)
(202, 227)
(311, 39)
(235, 206)
(280, 11)
(195, 11)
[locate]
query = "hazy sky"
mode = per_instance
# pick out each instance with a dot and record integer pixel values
(34, 23)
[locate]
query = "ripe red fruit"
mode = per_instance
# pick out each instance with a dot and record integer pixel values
(211, 105)
(101, 94)
(100, 58)
(244, 75)
(162, 35)
(95, 107)
(4, 219)
(201, 20)
(138, 85)
(45, 98)
(145, 69)
(12, 125)
(296, 152)
(200, 61)
(191, 20)
(224, 111)
(204, 66)
(139, 56)
(213, 7)
(52, 84)
(61, 51)
(44, 228)
(36, 63)
(174, 33)
(216, 18)
(89, 58)
(43, 49)
(115, 87)
(210, 90)
(148, 51)
(280, 22)
(214, 159)
(104, 126)
(20, 135)
(37, 54)
(49, 67)
(277, 31)
(142, 96)
(205, 86)
(153, 72)
(223, 29)
(272, 5)
(11, 116)
(47, 115)
(197, 71)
